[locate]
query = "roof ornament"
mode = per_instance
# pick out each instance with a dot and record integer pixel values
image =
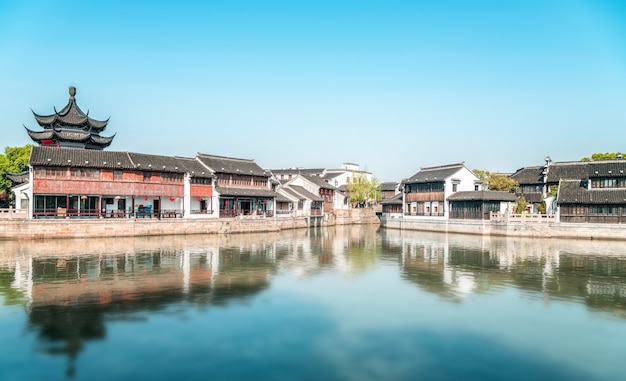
(72, 92)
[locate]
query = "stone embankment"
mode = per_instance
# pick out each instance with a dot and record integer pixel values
(531, 229)
(85, 228)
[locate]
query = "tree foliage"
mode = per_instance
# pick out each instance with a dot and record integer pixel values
(495, 181)
(603, 156)
(362, 190)
(14, 160)
(520, 205)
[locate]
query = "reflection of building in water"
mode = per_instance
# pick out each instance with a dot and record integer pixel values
(454, 265)
(350, 248)
(70, 298)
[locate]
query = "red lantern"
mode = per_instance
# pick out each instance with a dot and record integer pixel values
(199, 199)
(145, 198)
(172, 199)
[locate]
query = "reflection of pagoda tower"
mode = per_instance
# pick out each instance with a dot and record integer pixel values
(70, 128)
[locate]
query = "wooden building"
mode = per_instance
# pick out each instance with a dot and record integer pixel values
(392, 206)
(478, 205)
(598, 197)
(242, 186)
(426, 192)
(92, 183)
(587, 191)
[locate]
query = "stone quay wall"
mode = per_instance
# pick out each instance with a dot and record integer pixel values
(85, 228)
(511, 229)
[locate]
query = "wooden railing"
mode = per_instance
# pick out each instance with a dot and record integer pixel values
(96, 213)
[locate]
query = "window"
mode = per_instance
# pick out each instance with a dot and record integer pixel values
(117, 175)
(147, 176)
(454, 187)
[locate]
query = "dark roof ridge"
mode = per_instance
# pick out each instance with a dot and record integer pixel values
(569, 163)
(225, 157)
(461, 164)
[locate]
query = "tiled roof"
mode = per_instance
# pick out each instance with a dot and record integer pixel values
(574, 192)
(532, 197)
(297, 171)
(290, 193)
(231, 165)
(303, 192)
(606, 168)
(282, 198)
(528, 175)
(18, 178)
(173, 164)
(81, 158)
(389, 186)
(568, 170)
(395, 200)
(319, 182)
(434, 174)
(571, 171)
(71, 115)
(482, 196)
(245, 192)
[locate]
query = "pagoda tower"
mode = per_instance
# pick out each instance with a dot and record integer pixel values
(70, 128)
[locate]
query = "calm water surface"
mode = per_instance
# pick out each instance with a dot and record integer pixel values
(353, 303)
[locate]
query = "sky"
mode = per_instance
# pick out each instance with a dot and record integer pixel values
(393, 86)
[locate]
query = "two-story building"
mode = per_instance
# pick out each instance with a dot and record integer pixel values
(426, 192)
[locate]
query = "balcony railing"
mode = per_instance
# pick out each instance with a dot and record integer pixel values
(96, 213)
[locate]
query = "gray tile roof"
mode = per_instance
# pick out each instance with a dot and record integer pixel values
(567, 170)
(575, 192)
(82, 158)
(395, 200)
(174, 164)
(571, 171)
(303, 192)
(298, 171)
(434, 174)
(319, 182)
(291, 193)
(79, 158)
(606, 168)
(528, 175)
(389, 186)
(482, 196)
(231, 165)
(245, 192)
(532, 197)
(18, 178)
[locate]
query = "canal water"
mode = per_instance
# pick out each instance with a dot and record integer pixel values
(347, 303)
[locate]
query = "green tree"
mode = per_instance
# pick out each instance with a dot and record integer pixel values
(362, 190)
(603, 156)
(14, 160)
(495, 181)
(520, 205)
(499, 182)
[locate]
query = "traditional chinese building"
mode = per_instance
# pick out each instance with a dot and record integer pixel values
(70, 128)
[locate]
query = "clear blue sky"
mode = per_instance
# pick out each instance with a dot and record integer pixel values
(390, 85)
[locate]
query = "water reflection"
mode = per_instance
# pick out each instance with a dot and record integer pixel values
(72, 290)
(454, 266)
